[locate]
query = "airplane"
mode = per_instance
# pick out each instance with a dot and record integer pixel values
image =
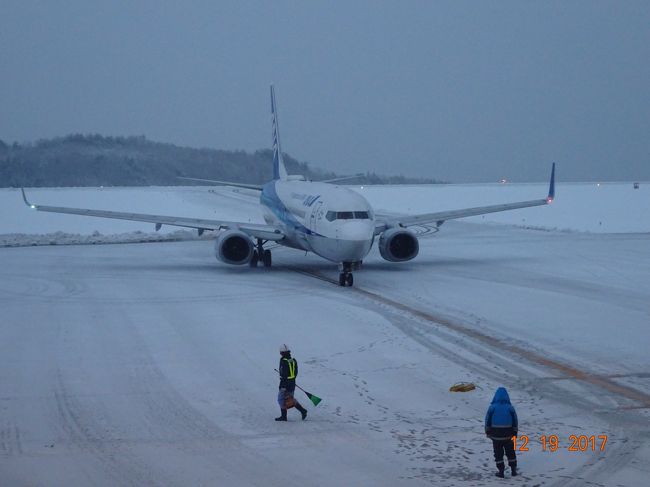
(329, 220)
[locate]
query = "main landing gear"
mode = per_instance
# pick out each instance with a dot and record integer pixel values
(346, 268)
(260, 254)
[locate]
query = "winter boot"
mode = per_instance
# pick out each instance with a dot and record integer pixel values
(283, 415)
(513, 469)
(502, 469)
(302, 410)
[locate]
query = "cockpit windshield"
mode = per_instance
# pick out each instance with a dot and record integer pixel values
(347, 215)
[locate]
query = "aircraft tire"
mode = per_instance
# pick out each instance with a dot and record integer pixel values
(349, 280)
(254, 259)
(266, 258)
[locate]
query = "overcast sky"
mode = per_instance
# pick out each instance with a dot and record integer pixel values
(461, 91)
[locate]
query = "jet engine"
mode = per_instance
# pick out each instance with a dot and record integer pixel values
(234, 247)
(398, 245)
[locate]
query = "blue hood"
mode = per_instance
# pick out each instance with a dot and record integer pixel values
(501, 396)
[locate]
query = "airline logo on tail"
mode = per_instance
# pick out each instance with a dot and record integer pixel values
(279, 171)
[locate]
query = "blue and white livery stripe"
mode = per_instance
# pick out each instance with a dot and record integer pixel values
(272, 201)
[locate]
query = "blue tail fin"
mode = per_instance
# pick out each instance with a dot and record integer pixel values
(279, 171)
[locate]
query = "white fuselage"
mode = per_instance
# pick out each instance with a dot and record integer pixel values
(332, 221)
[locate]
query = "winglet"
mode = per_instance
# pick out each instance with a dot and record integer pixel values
(551, 187)
(33, 207)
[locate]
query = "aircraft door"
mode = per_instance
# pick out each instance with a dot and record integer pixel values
(316, 216)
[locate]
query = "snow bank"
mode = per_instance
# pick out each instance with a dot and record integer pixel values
(62, 238)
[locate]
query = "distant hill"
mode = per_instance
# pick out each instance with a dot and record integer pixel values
(95, 160)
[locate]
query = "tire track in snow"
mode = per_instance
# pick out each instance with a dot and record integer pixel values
(78, 426)
(167, 423)
(10, 441)
(641, 398)
(593, 467)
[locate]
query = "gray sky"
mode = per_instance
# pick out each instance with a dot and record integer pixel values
(463, 91)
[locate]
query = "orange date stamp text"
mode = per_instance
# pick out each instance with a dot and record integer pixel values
(551, 443)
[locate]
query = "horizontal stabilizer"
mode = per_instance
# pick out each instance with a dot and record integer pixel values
(342, 178)
(256, 187)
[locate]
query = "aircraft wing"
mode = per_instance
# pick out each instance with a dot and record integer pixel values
(441, 216)
(256, 230)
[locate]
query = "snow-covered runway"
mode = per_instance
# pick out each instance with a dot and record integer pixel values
(152, 364)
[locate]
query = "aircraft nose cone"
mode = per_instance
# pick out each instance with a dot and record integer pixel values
(355, 240)
(354, 250)
(357, 230)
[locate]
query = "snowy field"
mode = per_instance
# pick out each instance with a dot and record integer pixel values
(152, 364)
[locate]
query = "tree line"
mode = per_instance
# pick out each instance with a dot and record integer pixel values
(96, 160)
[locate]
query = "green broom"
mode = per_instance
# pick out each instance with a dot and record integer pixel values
(315, 399)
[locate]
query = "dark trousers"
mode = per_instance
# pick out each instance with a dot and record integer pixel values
(282, 398)
(507, 446)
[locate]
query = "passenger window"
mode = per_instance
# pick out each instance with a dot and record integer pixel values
(361, 215)
(331, 216)
(345, 215)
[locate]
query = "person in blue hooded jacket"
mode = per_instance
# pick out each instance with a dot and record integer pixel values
(501, 425)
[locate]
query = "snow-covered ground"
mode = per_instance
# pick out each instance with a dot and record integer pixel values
(152, 364)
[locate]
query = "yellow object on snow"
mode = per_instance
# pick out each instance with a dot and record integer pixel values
(462, 387)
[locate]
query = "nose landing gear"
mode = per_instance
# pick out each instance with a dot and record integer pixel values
(346, 279)
(346, 268)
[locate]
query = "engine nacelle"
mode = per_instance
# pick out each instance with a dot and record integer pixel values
(233, 247)
(398, 245)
